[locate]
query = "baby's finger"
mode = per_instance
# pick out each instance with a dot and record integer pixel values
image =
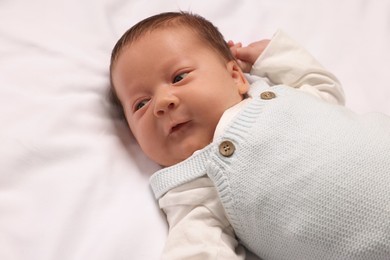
(235, 45)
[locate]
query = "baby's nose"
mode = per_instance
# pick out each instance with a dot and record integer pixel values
(164, 103)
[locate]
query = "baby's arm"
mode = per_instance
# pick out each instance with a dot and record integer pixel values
(198, 228)
(283, 61)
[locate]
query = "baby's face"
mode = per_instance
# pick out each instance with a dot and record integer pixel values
(174, 89)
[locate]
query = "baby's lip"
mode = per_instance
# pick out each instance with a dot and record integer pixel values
(175, 127)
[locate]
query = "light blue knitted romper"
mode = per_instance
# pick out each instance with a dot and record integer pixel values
(305, 179)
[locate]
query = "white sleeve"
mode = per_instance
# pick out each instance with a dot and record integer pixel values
(198, 227)
(286, 62)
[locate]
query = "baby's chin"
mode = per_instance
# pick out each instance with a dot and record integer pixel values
(176, 152)
(177, 159)
(182, 154)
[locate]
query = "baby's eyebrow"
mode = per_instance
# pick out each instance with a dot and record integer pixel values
(174, 61)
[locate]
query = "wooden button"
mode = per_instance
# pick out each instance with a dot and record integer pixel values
(226, 148)
(267, 95)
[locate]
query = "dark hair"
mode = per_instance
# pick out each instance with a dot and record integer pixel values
(205, 30)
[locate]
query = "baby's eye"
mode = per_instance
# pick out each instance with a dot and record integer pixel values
(141, 104)
(179, 77)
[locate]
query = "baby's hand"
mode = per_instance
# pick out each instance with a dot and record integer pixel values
(246, 56)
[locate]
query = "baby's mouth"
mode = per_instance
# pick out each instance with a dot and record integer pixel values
(176, 128)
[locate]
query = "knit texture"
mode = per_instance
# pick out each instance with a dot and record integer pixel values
(308, 180)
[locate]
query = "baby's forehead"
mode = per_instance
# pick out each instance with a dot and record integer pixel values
(195, 35)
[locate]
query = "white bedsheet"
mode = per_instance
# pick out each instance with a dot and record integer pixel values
(73, 183)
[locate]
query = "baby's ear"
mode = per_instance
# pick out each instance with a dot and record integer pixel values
(238, 77)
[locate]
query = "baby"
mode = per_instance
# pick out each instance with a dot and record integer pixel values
(278, 166)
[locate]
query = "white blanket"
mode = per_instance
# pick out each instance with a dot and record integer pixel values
(73, 182)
